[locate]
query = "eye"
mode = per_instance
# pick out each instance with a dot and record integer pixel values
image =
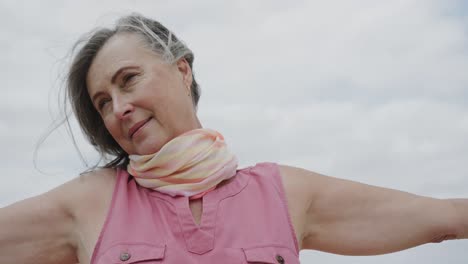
(102, 103)
(127, 78)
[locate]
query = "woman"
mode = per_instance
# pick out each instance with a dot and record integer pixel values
(173, 192)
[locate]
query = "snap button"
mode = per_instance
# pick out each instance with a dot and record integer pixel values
(125, 256)
(280, 259)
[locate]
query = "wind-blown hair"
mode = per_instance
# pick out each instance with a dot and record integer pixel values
(159, 39)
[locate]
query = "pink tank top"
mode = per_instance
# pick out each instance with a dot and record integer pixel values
(244, 221)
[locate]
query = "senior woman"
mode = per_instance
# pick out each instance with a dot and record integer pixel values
(173, 192)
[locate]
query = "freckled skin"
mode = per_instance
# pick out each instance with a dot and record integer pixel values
(148, 87)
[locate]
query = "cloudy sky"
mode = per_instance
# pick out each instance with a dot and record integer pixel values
(372, 91)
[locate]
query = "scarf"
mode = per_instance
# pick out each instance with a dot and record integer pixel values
(191, 164)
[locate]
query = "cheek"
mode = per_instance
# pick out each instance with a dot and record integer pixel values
(116, 133)
(160, 104)
(112, 128)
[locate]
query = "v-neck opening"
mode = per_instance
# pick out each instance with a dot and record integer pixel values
(200, 238)
(202, 203)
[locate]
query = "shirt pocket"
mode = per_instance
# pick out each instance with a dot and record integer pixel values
(141, 253)
(270, 255)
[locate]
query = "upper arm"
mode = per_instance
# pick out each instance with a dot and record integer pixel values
(38, 230)
(350, 218)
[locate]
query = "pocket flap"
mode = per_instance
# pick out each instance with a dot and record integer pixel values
(271, 254)
(132, 253)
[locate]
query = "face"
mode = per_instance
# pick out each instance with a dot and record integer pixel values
(143, 101)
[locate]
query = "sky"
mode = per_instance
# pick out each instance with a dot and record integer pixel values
(370, 91)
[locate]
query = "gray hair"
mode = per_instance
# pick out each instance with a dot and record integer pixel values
(160, 40)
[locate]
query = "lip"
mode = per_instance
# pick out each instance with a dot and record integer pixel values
(136, 127)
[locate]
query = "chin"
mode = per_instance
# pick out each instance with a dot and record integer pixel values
(148, 150)
(149, 147)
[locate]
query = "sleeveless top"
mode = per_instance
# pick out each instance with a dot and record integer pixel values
(243, 221)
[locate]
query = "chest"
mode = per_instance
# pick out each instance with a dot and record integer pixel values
(90, 230)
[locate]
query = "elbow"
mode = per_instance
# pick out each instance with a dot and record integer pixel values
(452, 226)
(460, 217)
(443, 238)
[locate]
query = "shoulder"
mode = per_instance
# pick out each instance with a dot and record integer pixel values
(100, 178)
(70, 195)
(86, 199)
(299, 187)
(90, 190)
(85, 192)
(299, 183)
(26, 225)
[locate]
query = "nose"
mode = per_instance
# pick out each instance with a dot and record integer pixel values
(122, 108)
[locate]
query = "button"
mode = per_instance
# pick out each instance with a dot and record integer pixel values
(125, 256)
(280, 259)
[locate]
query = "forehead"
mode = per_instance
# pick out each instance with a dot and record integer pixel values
(122, 49)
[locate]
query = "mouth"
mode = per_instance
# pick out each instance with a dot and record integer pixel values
(136, 127)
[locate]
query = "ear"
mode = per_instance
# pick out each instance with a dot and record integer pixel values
(186, 72)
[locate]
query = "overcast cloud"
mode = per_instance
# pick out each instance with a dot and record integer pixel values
(372, 91)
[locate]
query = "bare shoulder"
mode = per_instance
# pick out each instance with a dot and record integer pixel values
(87, 196)
(93, 195)
(298, 184)
(92, 189)
(26, 235)
(100, 179)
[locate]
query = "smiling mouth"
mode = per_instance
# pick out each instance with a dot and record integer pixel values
(135, 128)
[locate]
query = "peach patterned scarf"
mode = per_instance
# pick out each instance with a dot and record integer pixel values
(191, 164)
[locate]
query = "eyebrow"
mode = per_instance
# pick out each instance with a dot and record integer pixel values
(113, 80)
(119, 71)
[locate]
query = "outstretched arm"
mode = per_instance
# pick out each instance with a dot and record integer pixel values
(350, 218)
